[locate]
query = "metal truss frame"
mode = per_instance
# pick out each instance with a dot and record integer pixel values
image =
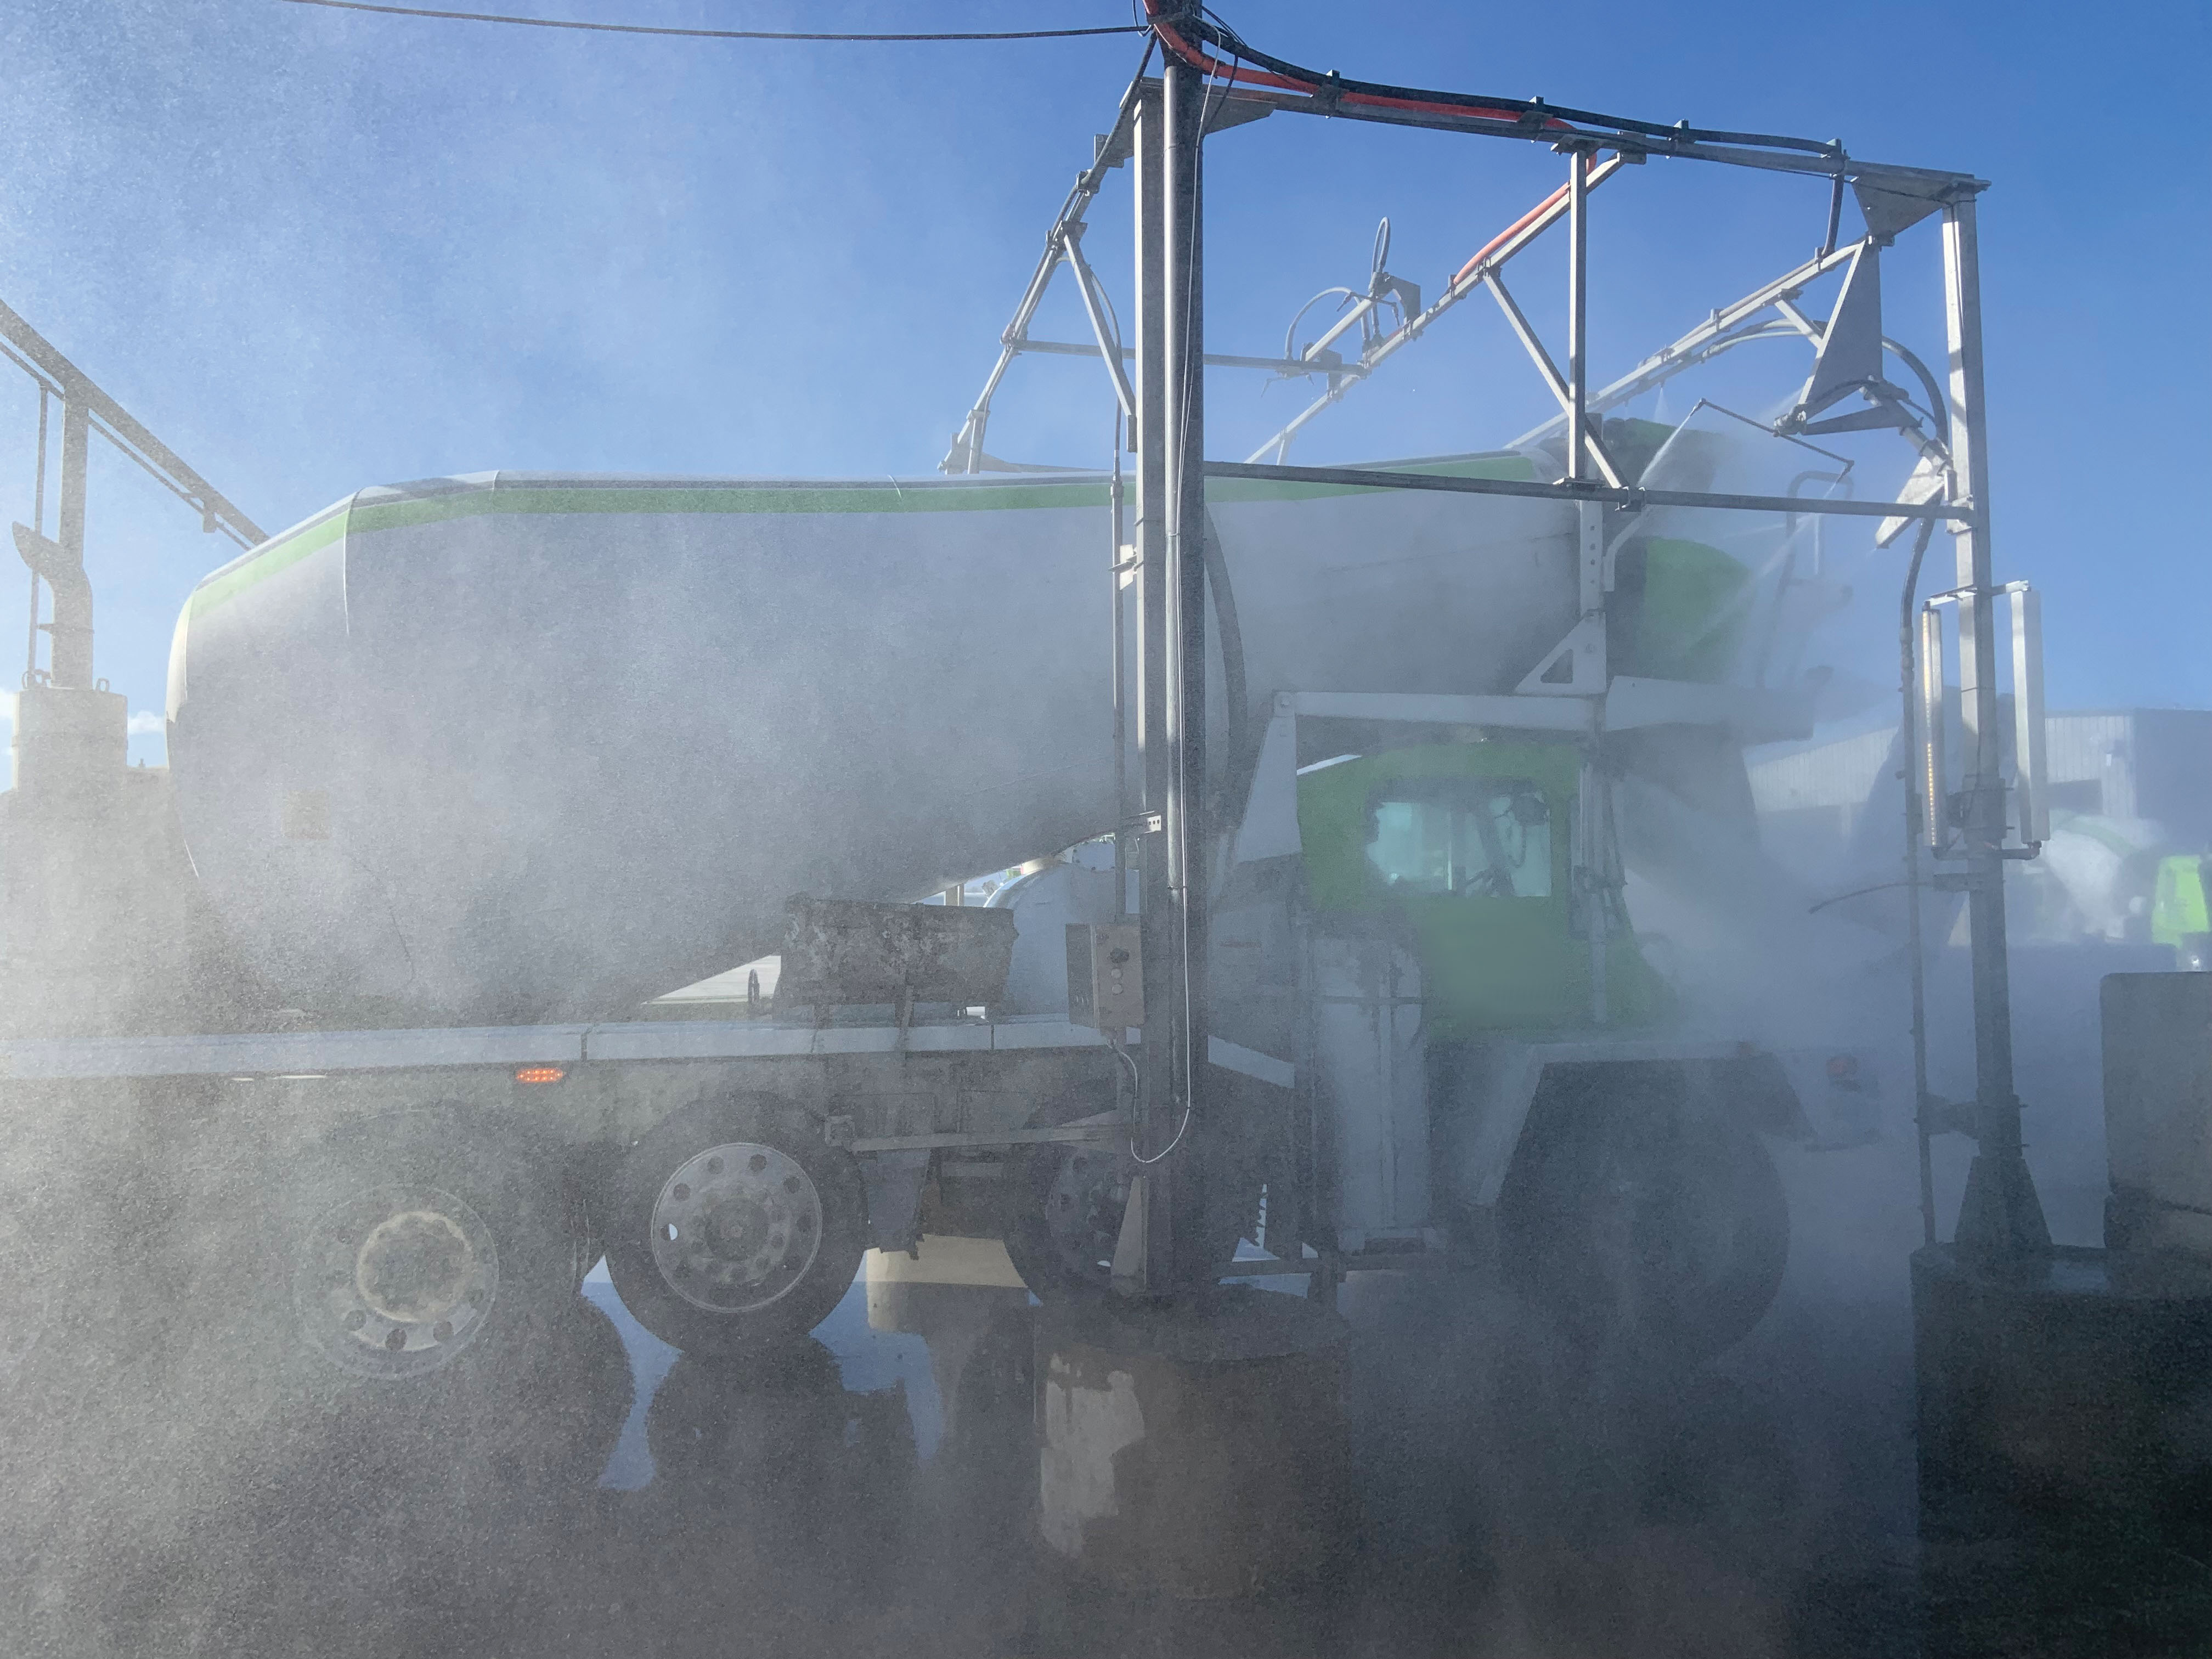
(58, 560)
(1161, 125)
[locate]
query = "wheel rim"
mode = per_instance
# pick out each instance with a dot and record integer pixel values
(395, 1281)
(1083, 1210)
(736, 1227)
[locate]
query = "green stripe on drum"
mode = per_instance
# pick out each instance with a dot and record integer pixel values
(361, 517)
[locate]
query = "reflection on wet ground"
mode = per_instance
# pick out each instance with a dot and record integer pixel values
(871, 1490)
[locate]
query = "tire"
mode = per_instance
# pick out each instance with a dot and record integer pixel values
(1069, 1202)
(396, 1349)
(733, 1225)
(266, 1456)
(422, 1241)
(1639, 1224)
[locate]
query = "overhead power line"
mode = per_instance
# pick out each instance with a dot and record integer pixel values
(706, 34)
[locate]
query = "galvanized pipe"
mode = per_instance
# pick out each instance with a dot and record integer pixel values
(1588, 490)
(2001, 1219)
(1918, 798)
(1157, 1100)
(69, 654)
(39, 524)
(1578, 308)
(70, 384)
(1180, 1256)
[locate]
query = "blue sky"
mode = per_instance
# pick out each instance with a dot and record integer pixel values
(316, 251)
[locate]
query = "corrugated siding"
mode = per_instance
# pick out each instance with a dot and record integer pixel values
(2075, 746)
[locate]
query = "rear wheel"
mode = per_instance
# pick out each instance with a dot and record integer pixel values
(733, 1224)
(418, 1240)
(400, 1335)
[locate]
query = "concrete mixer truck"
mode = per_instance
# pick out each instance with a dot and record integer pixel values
(466, 776)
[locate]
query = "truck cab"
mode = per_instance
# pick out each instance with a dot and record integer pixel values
(1469, 844)
(1422, 912)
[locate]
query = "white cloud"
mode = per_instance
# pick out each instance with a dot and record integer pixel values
(148, 724)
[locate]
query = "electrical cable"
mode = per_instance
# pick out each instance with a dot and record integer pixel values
(1855, 892)
(1290, 334)
(707, 34)
(1136, 1157)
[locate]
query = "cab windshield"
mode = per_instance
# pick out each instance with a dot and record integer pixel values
(1483, 837)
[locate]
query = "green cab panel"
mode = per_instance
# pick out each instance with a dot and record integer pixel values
(1471, 844)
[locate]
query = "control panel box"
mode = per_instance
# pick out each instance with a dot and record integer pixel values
(1105, 976)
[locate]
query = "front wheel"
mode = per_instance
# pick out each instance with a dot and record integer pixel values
(1637, 1222)
(733, 1224)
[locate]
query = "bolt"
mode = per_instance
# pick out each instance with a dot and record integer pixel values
(756, 1164)
(397, 1339)
(681, 1193)
(355, 1319)
(713, 1166)
(791, 1183)
(443, 1331)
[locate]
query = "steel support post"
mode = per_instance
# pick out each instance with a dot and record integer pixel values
(1159, 1108)
(1577, 309)
(1187, 834)
(1593, 857)
(2001, 1219)
(70, 629)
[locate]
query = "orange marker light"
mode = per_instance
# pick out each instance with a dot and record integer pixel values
(540, 1073)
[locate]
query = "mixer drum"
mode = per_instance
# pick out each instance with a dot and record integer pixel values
(516, 747)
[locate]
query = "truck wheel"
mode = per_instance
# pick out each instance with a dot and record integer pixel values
(733, 1224)
(1069, 1206)
(1636, 1226)
(1069, 1201)
(396, 1329)
(418, 1239)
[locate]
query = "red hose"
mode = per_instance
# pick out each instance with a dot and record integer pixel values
(1549, 205)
